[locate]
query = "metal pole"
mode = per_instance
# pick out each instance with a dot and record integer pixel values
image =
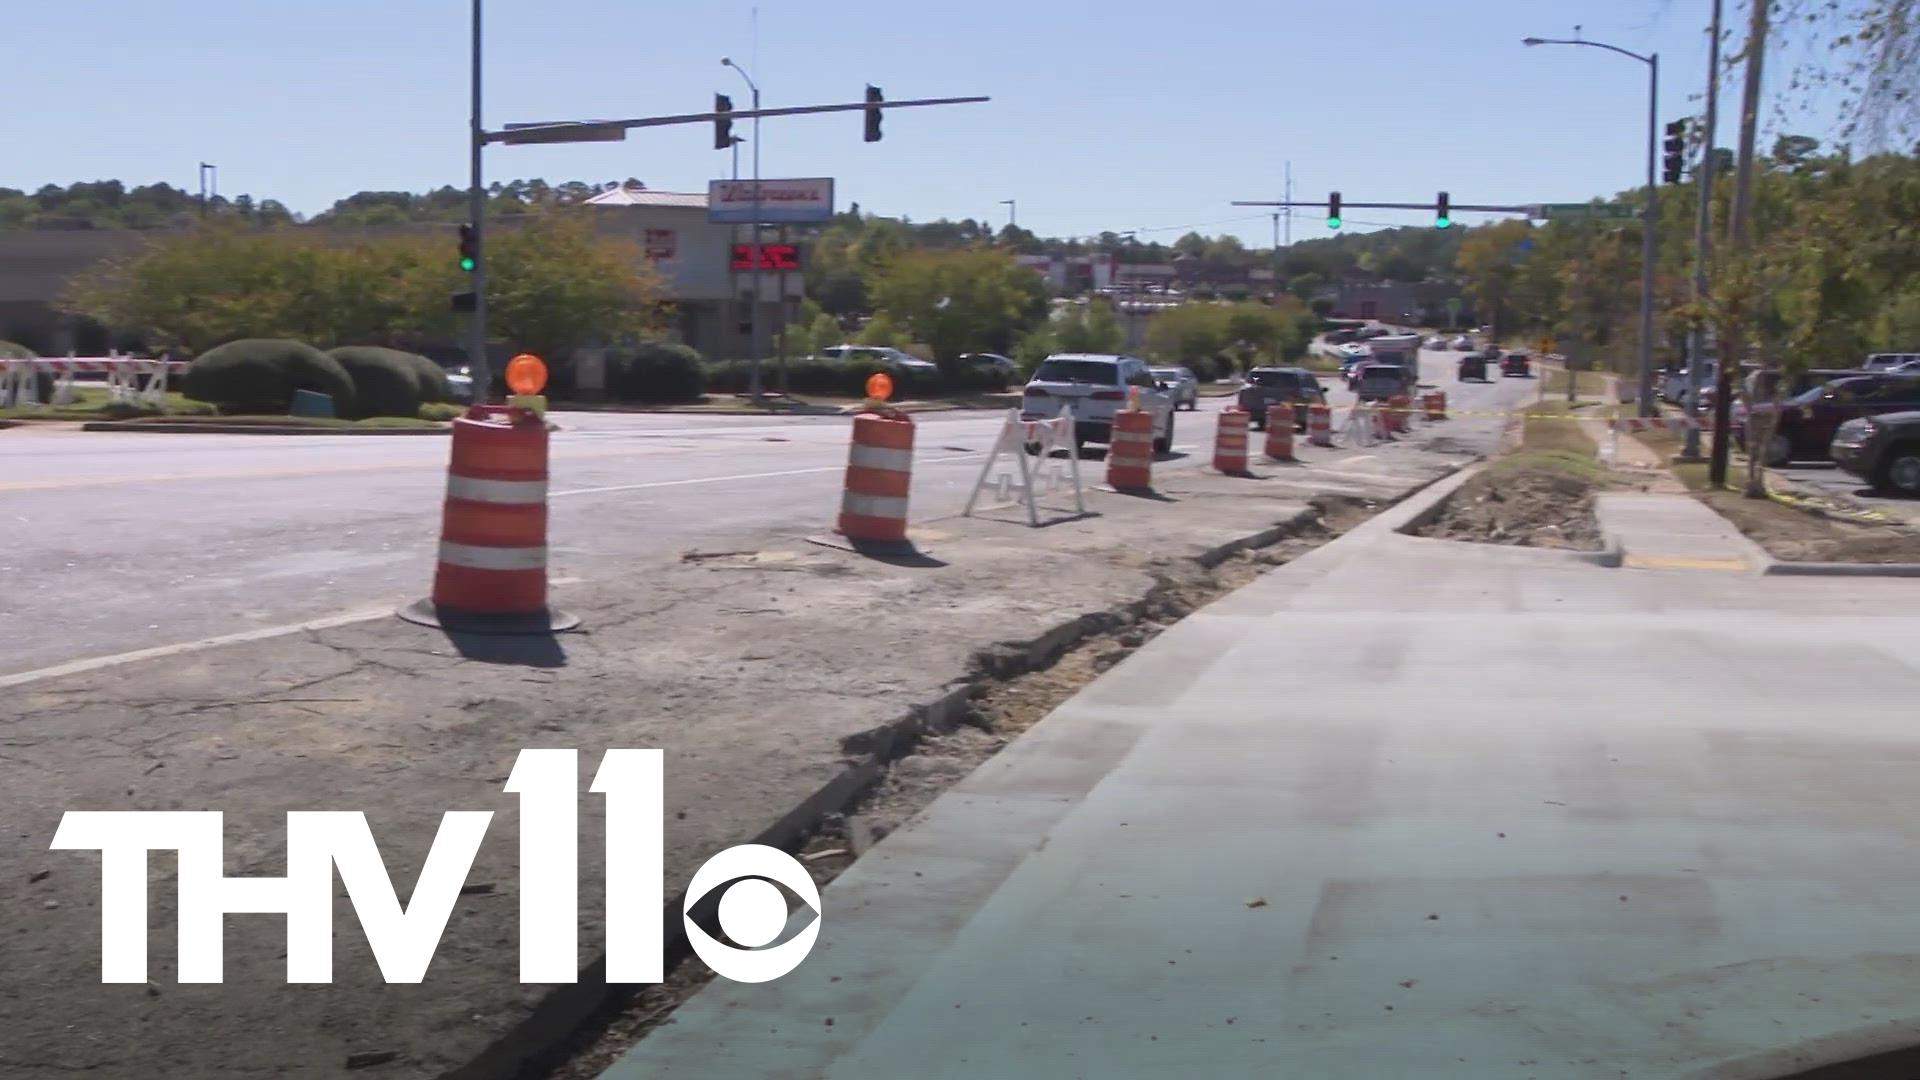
(1703, 235)
(1289, 226)
(1648, 248)
(753, 313)
(477, 214)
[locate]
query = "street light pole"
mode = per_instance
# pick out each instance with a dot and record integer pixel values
(753, 309)
(1649, 249)
(1703, 232)
(476, 216)
(1013, 218)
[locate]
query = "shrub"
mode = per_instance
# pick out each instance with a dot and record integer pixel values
(13, 351)
(434, 387)
(386, 382)
(656, 371)
(441, 410)
(826, 377)
(259, 376)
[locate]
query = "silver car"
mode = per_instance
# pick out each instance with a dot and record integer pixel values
(1183, 386)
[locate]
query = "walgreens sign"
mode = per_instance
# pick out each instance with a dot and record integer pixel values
(779, 202)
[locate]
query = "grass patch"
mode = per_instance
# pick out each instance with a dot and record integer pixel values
(93, 403)
(318, 422)
(1552, 429)
(1590, 383)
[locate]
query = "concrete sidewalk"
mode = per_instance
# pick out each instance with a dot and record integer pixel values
(1401, 809)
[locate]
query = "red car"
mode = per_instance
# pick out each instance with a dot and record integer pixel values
(1806, 424)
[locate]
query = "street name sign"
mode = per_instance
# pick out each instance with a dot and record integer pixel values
(1580, 211)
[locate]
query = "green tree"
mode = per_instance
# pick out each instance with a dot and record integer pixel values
(1490, 257)
(960, 300)
(1092, 327)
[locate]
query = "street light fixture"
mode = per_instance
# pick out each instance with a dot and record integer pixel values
(1652, 218)
(753, 309)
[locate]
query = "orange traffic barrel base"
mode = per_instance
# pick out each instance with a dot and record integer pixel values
(543, 621)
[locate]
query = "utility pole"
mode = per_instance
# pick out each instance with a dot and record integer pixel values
(753, 309)
(1739, 229)
(476, 216)
(1289, 198)
(1703, 237)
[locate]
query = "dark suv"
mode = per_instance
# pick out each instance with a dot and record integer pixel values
(1883, 450)
(1270, 386)
(1806, 425)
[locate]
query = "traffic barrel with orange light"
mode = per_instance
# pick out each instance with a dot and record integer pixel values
(492, 570)
(873, 506)
(1280, 432)
(1436, 405)
(1230, 441)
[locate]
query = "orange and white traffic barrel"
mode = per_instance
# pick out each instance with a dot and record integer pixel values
(492, 571)
(1280, 432)
(1230, 442)
(1320, 425)
(1399, 412)
(1436, 403)
(1130, 452)
(873, 506)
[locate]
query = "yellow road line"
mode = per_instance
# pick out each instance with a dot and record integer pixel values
(1662, 562)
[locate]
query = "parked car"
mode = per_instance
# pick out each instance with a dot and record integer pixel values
(1270, 386)
(1516, 365)
(1096, 387)
(1883, 450)
(1473, 368)
(878, 354)
(1673, 388)
(460, 382)
(1183, 385)
(1006, 365)
(1805, 426)
(1889, 361)
(1463, 343)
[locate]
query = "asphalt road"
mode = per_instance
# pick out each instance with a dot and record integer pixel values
(118, 541)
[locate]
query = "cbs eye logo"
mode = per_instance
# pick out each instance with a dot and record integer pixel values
(739, 890)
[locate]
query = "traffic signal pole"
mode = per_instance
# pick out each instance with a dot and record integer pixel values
(477, 217)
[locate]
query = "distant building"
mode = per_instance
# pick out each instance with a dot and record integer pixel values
(1073, 274)
(1423, 303)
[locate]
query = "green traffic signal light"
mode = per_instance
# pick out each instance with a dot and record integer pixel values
(1333, 223)
(1443, 223)
(467, 264)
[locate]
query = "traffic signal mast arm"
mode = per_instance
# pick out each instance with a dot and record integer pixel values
(558, 131)
(1455, 207)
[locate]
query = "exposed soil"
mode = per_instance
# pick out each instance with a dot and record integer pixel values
(1521, 505)
(1796, 535)
(1002, 708)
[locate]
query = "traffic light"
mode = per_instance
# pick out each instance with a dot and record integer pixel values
(873, 114)
(1442, 214)
(469, 249)
(1333, 210)
(722, 124)
(1676, 145)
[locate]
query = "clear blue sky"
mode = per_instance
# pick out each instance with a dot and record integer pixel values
(1112, 115)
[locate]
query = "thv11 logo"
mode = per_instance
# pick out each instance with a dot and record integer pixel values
(751, 910)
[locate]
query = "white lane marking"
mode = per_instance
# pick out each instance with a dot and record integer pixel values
(79, 666)
(1361, 457)
(741, 476)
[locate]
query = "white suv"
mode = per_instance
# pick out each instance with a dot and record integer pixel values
(1096, 387)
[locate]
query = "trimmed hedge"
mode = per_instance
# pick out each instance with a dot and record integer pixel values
(259, 376)
(387, 382)
(656, 372)
(827, 377)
